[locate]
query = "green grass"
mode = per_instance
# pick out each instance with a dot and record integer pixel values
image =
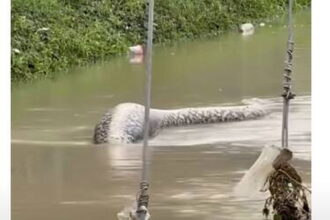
(49, 36)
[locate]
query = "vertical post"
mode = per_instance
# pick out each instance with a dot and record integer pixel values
(287, 94)
(143, 199)
(148, 81)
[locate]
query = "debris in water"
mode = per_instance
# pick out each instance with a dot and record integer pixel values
(262, 24)
(137, 49)
(136, 54)
(246, 29)
(288, 196)
(254, 180)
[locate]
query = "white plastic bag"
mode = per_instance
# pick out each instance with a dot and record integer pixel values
(255, 178)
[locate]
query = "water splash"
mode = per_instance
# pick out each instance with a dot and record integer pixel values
(131, 213)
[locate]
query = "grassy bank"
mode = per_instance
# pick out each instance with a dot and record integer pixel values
(49, 36)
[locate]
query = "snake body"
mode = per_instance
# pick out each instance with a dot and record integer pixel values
(124, 123)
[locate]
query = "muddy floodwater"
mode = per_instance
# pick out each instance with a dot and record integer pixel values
(58, 174)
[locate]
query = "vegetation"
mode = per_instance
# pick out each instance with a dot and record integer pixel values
(48, 36)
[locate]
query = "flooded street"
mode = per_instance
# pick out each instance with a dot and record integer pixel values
(57, 173)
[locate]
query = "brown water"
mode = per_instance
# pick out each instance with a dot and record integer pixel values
(58, 174)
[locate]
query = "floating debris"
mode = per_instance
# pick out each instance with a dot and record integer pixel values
(254, 180)
(246, 29)
(137, 49)
(262, 24)
(136, 54)
(288, 196)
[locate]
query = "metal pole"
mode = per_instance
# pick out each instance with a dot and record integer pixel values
(148, 88)
(287, 94)
(143, 199)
